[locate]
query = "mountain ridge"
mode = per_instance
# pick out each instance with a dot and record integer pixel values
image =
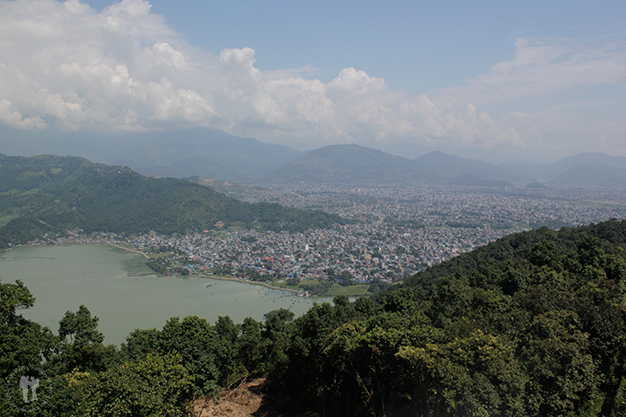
(210, 153)
(51, 194)
(349, 164)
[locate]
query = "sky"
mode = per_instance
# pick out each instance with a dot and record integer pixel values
(535, 80)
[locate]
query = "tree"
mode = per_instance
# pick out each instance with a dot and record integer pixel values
(81, 345)
(474, 376)
(276, 340)
(23, 343)
(227, 358)
(249, 345)
(197, 342)
(346, 278)
(80, 328)
(155, 386)
(12, 297)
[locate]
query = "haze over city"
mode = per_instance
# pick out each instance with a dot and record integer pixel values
(490, 80)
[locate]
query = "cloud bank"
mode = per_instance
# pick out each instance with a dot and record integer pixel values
(65, 66)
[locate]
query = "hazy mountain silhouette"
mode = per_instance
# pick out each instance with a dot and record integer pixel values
(454, 166)
(204, 152)
(353, 164)
(215, 154)
(580, 170)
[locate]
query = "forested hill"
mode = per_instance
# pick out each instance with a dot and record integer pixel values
(519, 246)
(535, 325)
(531, 325)
(51, 194)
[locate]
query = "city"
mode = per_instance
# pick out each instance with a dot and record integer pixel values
(391, 233)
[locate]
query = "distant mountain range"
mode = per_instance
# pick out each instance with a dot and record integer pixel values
(587, 169)
(213, 154)
(206, 153)
(455, 166)
(352, 164)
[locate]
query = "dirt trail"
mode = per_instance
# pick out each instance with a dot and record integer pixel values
(244, 401)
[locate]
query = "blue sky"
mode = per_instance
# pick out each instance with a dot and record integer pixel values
(415, 45)
(538, 80)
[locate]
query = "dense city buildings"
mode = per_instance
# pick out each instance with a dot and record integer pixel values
(392, 232)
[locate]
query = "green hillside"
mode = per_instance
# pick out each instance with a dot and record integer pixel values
(52, 194)
(531, 325)
(517, 246)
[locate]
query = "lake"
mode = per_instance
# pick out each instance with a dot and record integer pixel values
(125, 294)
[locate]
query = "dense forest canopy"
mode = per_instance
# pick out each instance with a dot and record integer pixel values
(530, 325)
(50, 194)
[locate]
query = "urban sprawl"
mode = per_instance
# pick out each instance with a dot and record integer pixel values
(393, 233)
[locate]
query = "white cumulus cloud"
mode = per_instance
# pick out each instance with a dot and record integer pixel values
(13, 118)
(64, 65)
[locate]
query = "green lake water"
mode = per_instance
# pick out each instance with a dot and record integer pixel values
(125, 294)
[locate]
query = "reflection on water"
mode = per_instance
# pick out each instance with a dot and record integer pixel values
(125, 294)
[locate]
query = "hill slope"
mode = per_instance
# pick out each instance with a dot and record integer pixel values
(580, 170)
(48, 193)
(530, 325)
(358, 165)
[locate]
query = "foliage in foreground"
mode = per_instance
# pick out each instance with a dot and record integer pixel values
(532, 325)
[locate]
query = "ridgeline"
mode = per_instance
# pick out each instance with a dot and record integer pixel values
(50, 194)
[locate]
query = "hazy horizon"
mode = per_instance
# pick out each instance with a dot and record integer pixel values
(524, 82)
(81, 144)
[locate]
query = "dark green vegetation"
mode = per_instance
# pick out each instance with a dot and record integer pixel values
(531, 325)
(49, 194)
(230, 188)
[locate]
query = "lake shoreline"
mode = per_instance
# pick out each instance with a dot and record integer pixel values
(223, 278)
(127, 249)
(112, 284)
(243, 281)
